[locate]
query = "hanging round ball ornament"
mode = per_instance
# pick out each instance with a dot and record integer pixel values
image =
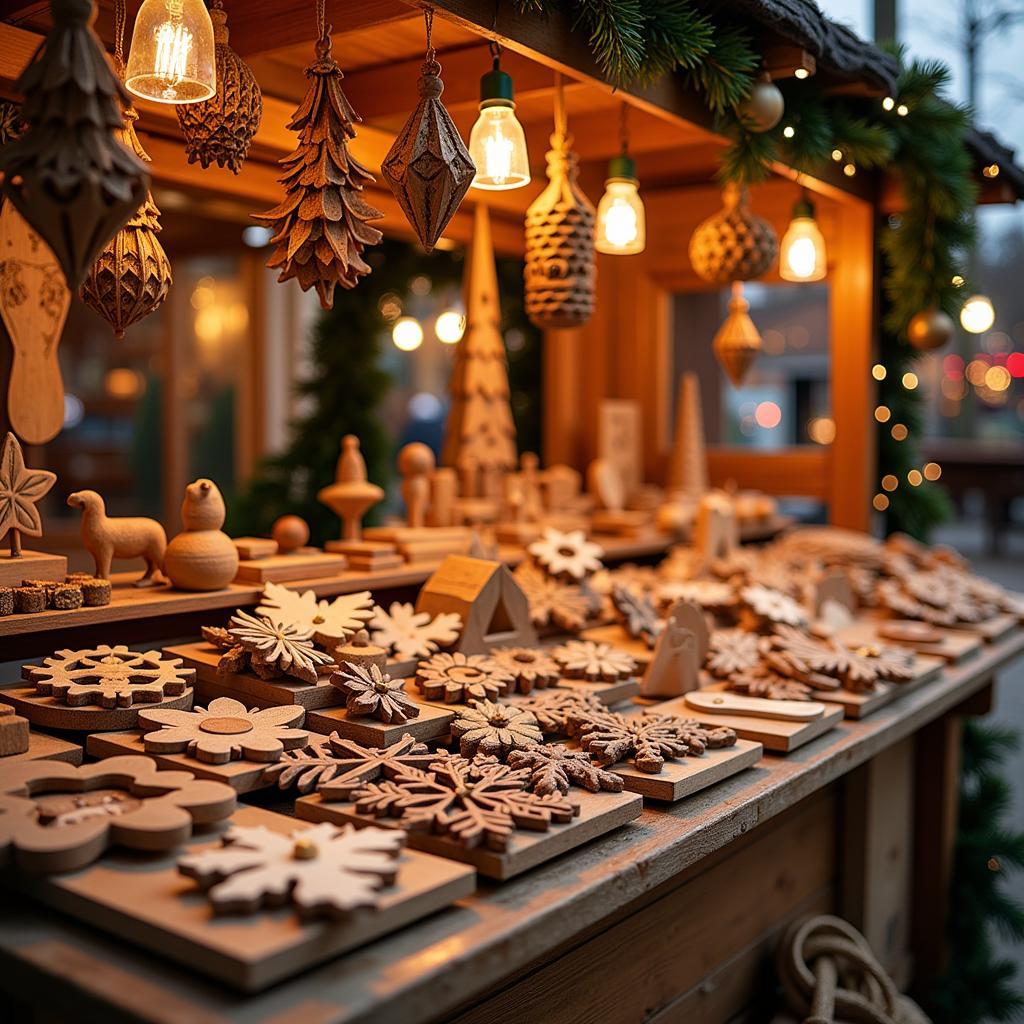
(561, 271)
(219, 130)
(132, 275)
(733, 244)
(930, 329)
(762, 110)
(429, 168)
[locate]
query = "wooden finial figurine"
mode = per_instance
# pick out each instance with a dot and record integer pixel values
(202, 556)
(351, 494)
(106, 539)
(416, 463)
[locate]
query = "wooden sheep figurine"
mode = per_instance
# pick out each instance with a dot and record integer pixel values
(106, 539)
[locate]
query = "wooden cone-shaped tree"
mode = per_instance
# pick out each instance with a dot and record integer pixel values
(321, 229)
(480, 436)
(688, 470)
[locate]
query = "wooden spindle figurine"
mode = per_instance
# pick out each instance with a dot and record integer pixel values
(351, 494)
(107, 538)
(444, 488)
(416, 463)
(529, 484)
(202, 556)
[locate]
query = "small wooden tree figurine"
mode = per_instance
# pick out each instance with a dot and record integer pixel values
(321, 229)
(480, 438)
(20, 489)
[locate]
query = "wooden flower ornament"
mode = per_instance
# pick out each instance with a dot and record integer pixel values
(20, 489)
(57, 817)
(68, 175)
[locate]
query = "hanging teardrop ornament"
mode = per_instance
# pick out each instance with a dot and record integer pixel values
(737, 343)
(560, 274)
(429, 168)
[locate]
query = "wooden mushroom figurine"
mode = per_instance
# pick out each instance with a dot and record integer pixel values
(351, 494)
(202, 556)
(107, 538)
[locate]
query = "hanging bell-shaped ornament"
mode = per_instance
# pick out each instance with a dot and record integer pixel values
(429, 168)
(68, 175)
(132, 275)
(561, 271)
(734, 244)
(737, 343)
(220, 130)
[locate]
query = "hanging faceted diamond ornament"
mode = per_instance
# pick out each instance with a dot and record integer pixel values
(220, 130)
(429, 168)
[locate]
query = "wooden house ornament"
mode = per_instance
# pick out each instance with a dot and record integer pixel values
(485, 594)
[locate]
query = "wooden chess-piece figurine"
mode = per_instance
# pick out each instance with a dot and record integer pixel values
(351, 494)
(416, 462)
(529, 485)
(108, 538)
(202, 556)
(715, 532)
(290, 533)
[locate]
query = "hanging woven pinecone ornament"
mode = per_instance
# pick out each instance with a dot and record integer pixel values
(561, 270)
(429, 168)
(68, 175)
(732, 246)
(219, 130)
(320, 229)
(132, 275)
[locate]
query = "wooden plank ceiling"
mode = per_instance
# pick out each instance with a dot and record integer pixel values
(380, 45)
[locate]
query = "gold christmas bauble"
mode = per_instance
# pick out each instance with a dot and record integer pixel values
(734, 244)
(762, 110)
(930, 329)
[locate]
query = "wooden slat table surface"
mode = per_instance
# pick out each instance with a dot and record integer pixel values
(446, 962)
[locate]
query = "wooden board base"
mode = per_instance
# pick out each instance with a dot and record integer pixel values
(774, 734)
(953, 646)
(517, 533)
(607, 693)
(434, 723)
(305, 564)
(622, 523)
(251, 548)
(44, 747)
(991, 630)
(599, 813)
(426, 543)
(143, 900)
(688, 775)
(247, 686)
(51, 713)
(241, 776)
(616, 635)
(31, 565)
(366, 555)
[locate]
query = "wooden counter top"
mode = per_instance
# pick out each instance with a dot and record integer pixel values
(437, 966)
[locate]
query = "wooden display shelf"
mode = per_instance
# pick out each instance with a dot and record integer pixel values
(145, 900)
(436, 968)
(599, 813)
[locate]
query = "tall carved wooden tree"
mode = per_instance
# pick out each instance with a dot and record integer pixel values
(688, 466)
(480, 436)
(321, 229)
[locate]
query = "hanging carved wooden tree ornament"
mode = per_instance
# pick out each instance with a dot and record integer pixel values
(321, 229)
(732, 246)
(68, 175)
(219, 130)
(561, 270)
(132, 275)
(429, 168)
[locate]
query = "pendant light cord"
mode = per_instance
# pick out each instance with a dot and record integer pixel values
(120, 16)
(624, 128)
(321, 19)
(561, 120)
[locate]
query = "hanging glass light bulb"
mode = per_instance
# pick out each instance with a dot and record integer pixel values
(173, 57)
(802, 256)
(977, 314)
(621, 221)
(497, 144)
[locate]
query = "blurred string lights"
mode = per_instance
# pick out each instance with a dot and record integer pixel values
(407, 332)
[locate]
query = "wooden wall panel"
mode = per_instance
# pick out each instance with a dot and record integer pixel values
(649, 961)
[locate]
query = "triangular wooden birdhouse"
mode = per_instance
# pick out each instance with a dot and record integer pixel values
(493, 608)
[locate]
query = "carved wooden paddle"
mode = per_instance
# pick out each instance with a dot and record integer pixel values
(720, 703)
(34, 301)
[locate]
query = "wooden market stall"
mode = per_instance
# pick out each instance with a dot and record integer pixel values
(663, 895)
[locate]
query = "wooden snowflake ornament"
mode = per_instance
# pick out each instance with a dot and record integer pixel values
(554, 708)
(224, 731)
(329, 622)
(370, 692)
(57, 817)
(731, 651)
(773, 606)
(455, 678)
(638, 614)
(595, 662)
(494, 729)
(407, 633)
(279, 648)
(20, 490)
(110, 677)
(551, 602)
(471, 805)
(553, 768)
(569, 554)
(529, 666)
(323, 870)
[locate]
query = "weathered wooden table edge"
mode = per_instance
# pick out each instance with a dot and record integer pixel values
(437, 966)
